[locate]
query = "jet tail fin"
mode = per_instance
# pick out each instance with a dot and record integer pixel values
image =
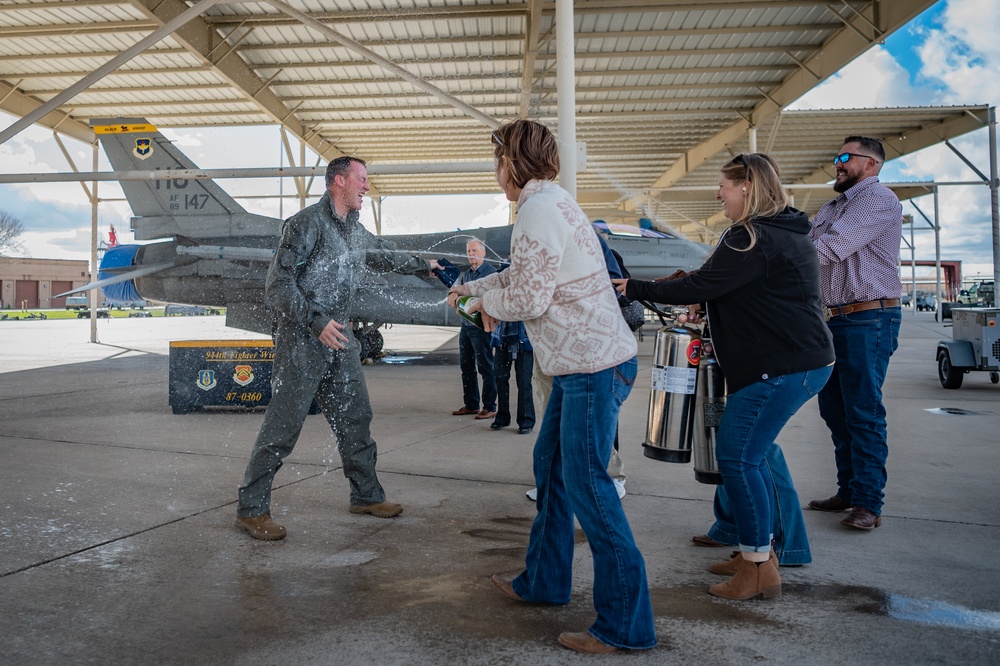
(195, 207)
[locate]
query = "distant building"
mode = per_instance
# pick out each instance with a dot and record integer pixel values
(30, 283)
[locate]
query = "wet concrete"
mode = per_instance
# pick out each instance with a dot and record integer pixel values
(116, 543)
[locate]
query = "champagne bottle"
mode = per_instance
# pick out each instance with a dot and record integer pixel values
(466, 302)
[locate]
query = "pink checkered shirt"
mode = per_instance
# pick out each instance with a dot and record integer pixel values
(857, 236)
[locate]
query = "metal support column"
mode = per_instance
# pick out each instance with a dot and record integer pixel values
(281, 181)
(913, 270)
(566, 88)
(304, 190)
(752, 140)
(994, 208)
(377, 213)
(937, 254)
(94, 293)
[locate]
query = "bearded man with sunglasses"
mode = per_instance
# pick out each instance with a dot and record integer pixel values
(857, 236)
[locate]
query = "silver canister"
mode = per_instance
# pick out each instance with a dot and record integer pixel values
(676, 353)
(709, 406)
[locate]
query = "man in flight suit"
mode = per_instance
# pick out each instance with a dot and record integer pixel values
(311, 285)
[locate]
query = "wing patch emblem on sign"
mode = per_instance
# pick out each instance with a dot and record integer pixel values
(143, 148)
(243, 374)
(206, 380)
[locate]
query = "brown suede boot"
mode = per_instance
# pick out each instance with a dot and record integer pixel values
(729, 567)
(751, 581)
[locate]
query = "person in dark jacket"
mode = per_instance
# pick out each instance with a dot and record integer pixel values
(474, 351)
(513, 349)
(761, 290)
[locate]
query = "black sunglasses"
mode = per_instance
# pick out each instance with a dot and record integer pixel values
(743, 159)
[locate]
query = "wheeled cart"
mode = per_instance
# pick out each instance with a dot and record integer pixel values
(975, 345)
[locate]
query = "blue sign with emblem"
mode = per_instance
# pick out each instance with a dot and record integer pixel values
(206, 380)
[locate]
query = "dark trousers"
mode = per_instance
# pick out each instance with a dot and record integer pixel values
(523, 362)
(303, 370)
(474, 352)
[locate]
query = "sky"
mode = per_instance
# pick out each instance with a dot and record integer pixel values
(949, 55)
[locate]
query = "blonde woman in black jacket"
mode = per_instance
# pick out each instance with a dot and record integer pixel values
(760, 287)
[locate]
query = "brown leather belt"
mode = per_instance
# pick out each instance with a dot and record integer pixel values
(848, 308)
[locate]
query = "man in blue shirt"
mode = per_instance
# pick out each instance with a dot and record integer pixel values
(474, 350)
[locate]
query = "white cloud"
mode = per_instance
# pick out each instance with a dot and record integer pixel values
(68, 244)
(181, 139)
(875, 79)
(964, 53)
(960, 58)
(427, 214)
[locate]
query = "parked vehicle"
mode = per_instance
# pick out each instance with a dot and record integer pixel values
(77, 302)
(197, 310)
(926, 302)
(140, 313)
(982, 293)
(121, 305)
(101, 314)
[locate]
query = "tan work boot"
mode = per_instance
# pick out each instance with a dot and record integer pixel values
(261, 527)
(380, 510)
(751, 581)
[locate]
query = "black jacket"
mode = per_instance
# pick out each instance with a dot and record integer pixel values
(763, 304)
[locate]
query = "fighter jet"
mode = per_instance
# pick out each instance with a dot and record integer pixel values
(210, 251)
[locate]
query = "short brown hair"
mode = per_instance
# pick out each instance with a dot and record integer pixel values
(874, 146)
(339, 167)
(530, 148)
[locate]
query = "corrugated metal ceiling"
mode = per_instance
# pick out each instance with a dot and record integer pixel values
(666, 89)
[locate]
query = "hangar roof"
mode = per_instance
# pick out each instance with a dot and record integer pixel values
(666, 90)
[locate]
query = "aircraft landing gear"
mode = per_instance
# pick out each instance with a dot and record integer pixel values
(370, 340)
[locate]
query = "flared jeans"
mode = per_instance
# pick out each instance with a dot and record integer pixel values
(750, 425)
(570, 464)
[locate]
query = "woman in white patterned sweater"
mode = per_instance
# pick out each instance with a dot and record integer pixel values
(557, 284)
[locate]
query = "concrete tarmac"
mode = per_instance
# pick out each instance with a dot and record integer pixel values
(117, 544)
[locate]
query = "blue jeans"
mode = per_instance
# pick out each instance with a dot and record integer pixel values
(791, 543)
(750, 425)
(570, 462)
(522, 363)
(851, 403)
(474, 352)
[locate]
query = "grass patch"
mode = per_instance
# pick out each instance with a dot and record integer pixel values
(74, 314)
